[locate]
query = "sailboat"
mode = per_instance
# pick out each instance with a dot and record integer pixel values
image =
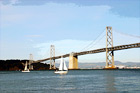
(26, 69)
(62, 68)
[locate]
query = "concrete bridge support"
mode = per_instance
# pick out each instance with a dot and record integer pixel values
(73, 61)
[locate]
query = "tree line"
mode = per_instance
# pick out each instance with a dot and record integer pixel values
(18, 65)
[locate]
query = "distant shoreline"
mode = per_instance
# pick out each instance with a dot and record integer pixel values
(18, 65)
(71, 69)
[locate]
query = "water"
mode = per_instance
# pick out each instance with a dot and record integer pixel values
(76, 81)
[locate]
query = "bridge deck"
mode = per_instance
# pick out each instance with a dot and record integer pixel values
(115, 48)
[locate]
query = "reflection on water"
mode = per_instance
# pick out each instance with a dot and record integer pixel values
(76, 81)
(110, 81)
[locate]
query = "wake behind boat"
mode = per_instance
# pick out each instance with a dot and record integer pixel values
(26, 69)
(62, 68)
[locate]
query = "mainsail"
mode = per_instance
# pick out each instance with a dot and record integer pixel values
(65, 67)
(25, 66)
(62, 65)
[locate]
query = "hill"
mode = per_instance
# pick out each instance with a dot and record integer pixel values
(102, 64)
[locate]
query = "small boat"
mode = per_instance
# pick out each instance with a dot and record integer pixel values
(26, 69)
(62, 68)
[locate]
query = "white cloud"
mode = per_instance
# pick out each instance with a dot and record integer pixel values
(45, 15)
(62, 46)
(14, 1)
(68, 46)
(12, 16)
(59, 21)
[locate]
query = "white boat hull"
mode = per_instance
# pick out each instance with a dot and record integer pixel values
(61, 72)
(25, 71)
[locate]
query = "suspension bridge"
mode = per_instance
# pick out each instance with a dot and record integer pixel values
(73, 57)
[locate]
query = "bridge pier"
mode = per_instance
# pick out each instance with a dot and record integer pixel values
(73, 61)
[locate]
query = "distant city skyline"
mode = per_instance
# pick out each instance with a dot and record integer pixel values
(31, 26)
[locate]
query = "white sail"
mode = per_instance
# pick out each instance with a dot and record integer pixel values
(26, 69)
(61, 64)
(25, 66)
(62, 68)
(65, 67)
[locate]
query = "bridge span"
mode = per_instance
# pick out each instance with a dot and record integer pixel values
(115, 48)
(73, 57)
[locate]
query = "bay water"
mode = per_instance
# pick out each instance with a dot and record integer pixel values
(76, 81)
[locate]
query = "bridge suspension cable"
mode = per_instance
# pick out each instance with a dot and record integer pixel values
(126, 34)
(98, 38)
(58, 52)
(47, 53)
(96, 41)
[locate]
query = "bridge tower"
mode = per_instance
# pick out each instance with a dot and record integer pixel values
(52, 54)
(73, 61)
(109, 54)
(30, 62)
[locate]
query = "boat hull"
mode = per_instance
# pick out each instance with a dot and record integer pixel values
(25, 71)
(61, 72)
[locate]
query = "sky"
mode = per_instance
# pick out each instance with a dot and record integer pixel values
(31, 26)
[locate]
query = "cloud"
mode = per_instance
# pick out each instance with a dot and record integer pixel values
(69, 45)
(62, 46)
(9, 2)
(14, 2)
(69, 26)
(11, 15)
(53, 18)
(119, 7)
